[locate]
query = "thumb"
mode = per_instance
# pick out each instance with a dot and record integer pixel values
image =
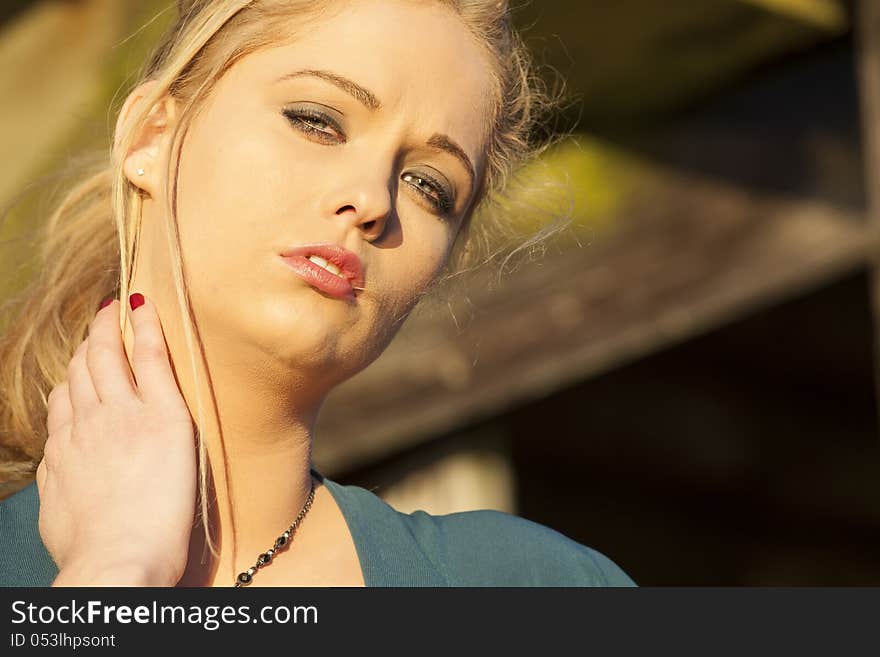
(150, 360)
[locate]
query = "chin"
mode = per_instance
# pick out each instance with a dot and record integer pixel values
(309, 332)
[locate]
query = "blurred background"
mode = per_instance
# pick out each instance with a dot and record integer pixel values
(686, 381)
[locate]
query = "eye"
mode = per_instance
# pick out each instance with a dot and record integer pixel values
(435, 192)
(316, 124)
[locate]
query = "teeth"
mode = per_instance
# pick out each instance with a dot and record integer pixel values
(329, 266)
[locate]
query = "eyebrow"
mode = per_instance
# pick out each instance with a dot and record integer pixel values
(444, 143)
(363, 96)
(368, 99)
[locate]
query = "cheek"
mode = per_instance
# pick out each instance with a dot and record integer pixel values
(414, 269)
(235, 197)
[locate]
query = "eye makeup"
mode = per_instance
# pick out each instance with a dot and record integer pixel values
(436, 193)
(315, 122)
(318, 124)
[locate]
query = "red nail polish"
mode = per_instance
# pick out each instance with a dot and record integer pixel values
(136, 300)
(106, 302)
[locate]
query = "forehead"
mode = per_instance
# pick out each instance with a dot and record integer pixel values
(421, 62)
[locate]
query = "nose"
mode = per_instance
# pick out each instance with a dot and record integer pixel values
(364, 203)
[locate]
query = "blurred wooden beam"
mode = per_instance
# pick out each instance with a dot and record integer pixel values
(827, 14)
(868, 41)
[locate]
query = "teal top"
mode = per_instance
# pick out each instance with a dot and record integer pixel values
(470, 548)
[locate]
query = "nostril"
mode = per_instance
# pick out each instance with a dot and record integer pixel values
(344, 208)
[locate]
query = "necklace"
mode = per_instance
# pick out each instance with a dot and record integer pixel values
(266, 557)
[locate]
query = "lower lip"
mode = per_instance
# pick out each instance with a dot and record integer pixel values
(320, 278)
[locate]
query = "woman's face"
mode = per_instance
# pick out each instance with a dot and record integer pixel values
(366, 132)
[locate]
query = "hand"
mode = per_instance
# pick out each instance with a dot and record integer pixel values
(117, 481)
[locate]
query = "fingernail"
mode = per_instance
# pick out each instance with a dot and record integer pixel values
(136, 300)
(106, 302)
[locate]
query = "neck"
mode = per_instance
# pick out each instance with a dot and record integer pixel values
(258, 446)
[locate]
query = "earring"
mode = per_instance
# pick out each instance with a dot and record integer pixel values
(141, 172)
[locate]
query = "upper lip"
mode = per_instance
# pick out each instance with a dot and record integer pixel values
(349, 264)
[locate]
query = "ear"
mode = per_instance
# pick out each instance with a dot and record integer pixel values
(147, 151)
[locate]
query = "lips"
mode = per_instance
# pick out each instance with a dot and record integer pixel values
(351, 269)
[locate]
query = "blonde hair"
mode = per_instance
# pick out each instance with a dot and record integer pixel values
(88, 246)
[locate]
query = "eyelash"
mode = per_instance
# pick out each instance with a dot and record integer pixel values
(442, 202)
(298, 118)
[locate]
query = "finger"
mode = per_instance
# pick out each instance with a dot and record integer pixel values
(152, 367)
(108, 365)
(60, 408)
(83, 396)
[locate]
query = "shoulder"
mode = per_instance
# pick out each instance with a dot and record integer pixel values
(24, 560)
(492, 548)
(471, 548)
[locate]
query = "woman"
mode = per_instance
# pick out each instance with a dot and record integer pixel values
(288, 181)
